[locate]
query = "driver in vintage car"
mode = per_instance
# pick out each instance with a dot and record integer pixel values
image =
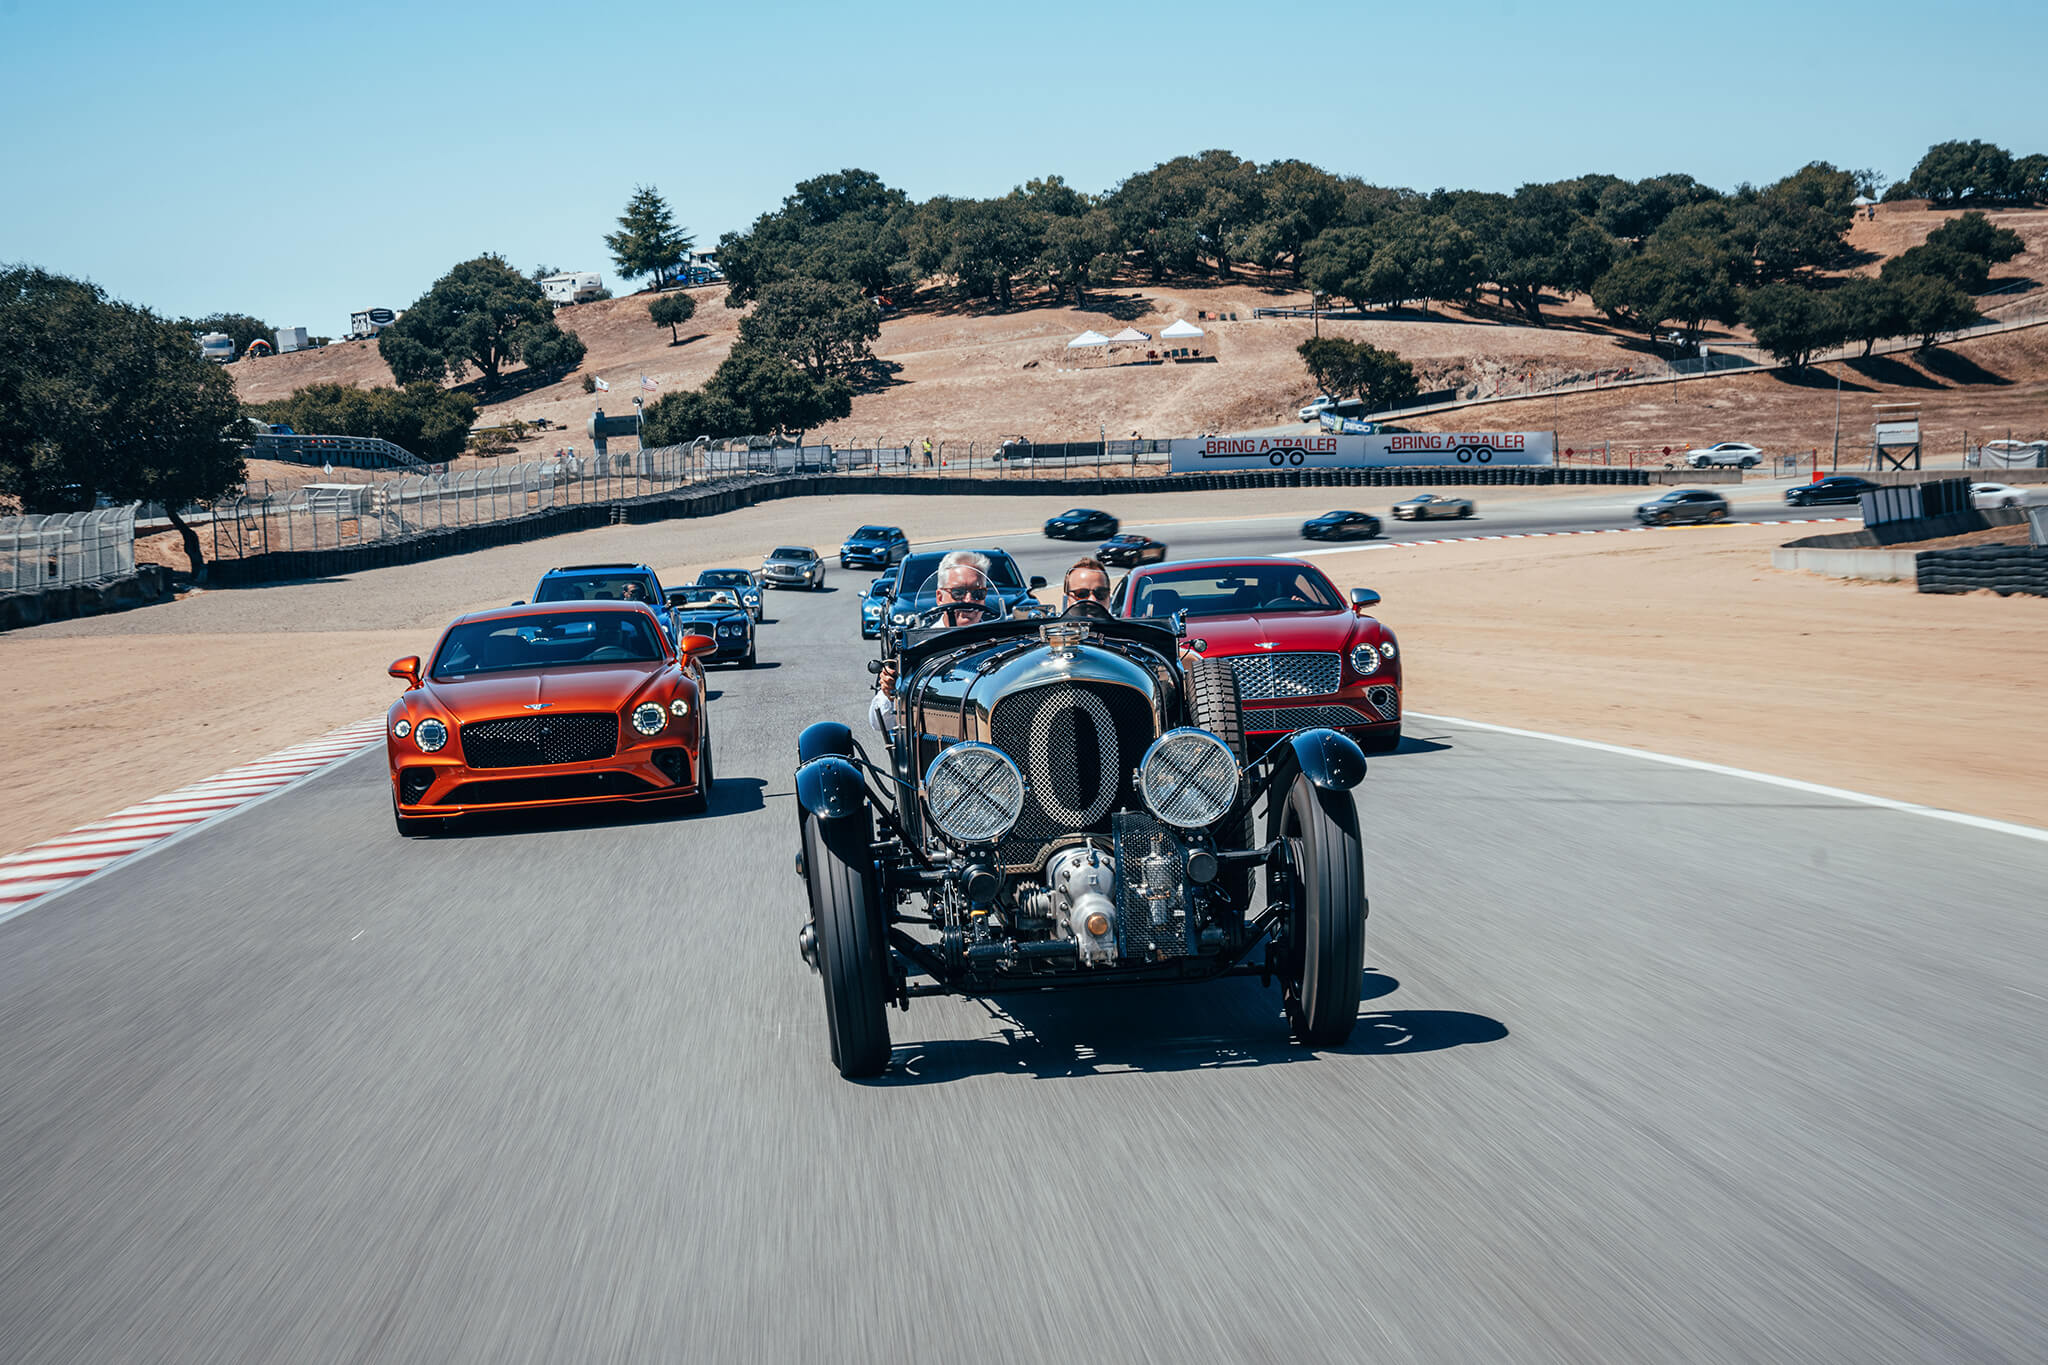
(1086, 589)
(962, 590)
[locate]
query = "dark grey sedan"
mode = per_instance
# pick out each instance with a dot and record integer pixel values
(1682, 505)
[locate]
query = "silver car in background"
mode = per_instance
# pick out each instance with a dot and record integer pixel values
(1425, 506)
(793, 566)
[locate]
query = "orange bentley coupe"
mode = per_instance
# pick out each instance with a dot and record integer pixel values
(548, 705)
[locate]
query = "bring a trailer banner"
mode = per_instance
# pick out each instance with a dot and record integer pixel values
(1331, 450)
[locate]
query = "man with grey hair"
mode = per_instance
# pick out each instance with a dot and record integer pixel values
(962, 588)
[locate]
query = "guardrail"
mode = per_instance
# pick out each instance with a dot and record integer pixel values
(66, 548)
(354, 452)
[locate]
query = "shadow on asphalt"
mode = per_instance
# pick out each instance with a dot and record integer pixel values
(1233, 1022)
(1415, 744)
(729, 796)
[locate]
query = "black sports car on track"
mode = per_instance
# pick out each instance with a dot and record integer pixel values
(1834, 488)
(1128, 548)
(715, 612)
(1080, 523)
(1341, 526)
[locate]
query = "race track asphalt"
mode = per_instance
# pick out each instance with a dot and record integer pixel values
(1655, 1064)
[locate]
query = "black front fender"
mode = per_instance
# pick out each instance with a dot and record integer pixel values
(1331, 760)
(825, 737)
(832, 788)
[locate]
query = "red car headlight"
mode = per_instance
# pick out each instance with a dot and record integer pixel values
(1365, 658)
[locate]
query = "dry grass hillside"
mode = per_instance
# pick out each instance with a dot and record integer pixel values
(968, 373)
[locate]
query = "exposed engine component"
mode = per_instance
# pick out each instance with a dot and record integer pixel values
(1154, 900)
(1081, 889)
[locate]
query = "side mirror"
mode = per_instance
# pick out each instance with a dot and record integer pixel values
(1037, 581)
(875, 667)
(1361, 598)
(690, 646)
(408, 669)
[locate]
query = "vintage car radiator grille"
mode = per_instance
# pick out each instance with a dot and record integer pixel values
(1077, 744)
(1266, 677)
(529, 741)
(1151, 911)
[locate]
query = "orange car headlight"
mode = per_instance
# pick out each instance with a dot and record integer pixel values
(430, 734)
(679, 707)
(648, 718)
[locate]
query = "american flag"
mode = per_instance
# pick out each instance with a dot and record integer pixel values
(646, 383)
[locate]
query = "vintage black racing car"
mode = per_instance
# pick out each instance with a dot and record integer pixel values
(1065, 802)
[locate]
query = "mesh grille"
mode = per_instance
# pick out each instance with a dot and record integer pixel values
(1076, 744)
(1264, 677)
(972, 792)
(1386, 701)
(1151, 911)
(1267, 718)
(530, 741)
(563, 787)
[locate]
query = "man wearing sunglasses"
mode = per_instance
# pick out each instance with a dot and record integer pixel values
(963, 594)
(1086, 587)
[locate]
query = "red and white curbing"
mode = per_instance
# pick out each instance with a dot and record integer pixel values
(58, 864)
(1539, 535)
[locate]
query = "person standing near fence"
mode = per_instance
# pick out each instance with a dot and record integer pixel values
(927, 452)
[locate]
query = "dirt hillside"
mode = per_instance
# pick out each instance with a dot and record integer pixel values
(969, 373)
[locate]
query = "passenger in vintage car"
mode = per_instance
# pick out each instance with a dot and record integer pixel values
(963, 593)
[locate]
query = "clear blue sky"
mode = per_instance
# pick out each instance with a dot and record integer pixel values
(299, 161)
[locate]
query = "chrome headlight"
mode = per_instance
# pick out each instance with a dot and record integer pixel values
(974, 792)
(430, 734)
(1188, 778)
(680, 707)
(1365, 657)
(402, 729)
(648, 718)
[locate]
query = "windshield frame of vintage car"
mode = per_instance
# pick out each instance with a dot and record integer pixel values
(1234, 603)
(1000, 564)
(469, 634)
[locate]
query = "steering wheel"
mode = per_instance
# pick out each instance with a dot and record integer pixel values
(1290, 600)
(609, 654)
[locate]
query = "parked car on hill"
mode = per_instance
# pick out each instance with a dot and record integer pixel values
(1341, 526)
(1835, 488)
(1739, 454)
(1683, 505)
(1080, 523)
(1428, 506)
(793, 566)
(620, 718)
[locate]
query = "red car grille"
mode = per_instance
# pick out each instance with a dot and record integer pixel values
(1272, 677)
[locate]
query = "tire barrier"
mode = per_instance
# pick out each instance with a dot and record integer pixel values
(150, 583)
(705, 500)
(2003, 569)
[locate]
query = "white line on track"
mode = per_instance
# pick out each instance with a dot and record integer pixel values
(1789, 783)
(1535, 535)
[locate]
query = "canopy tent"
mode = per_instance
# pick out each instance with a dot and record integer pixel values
(1180, 331)
(1130, 334)
(1861, 201)
(1088, 338)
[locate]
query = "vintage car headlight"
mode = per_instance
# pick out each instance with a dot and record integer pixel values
(1365, 657)
(974, 792)
(1188, 778)
(648, 718)
(402, 729)
(430, 734)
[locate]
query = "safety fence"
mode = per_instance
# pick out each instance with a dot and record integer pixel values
(66, 548)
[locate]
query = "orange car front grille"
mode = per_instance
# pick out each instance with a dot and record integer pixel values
(532, 741)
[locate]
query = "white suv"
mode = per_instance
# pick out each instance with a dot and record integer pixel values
(1741, 454)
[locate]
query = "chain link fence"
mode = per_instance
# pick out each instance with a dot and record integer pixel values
(66, 548)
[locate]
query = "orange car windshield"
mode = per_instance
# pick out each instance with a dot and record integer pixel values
(557, 640)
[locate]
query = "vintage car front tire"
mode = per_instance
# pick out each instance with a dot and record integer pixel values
(846, 910)
(1326, 924)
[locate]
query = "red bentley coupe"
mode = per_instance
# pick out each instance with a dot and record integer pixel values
(1303, 655)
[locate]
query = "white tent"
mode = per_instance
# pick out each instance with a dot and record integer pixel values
(1088, 338)
(1130, 334)
(1861, 201)
(1180, 331)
